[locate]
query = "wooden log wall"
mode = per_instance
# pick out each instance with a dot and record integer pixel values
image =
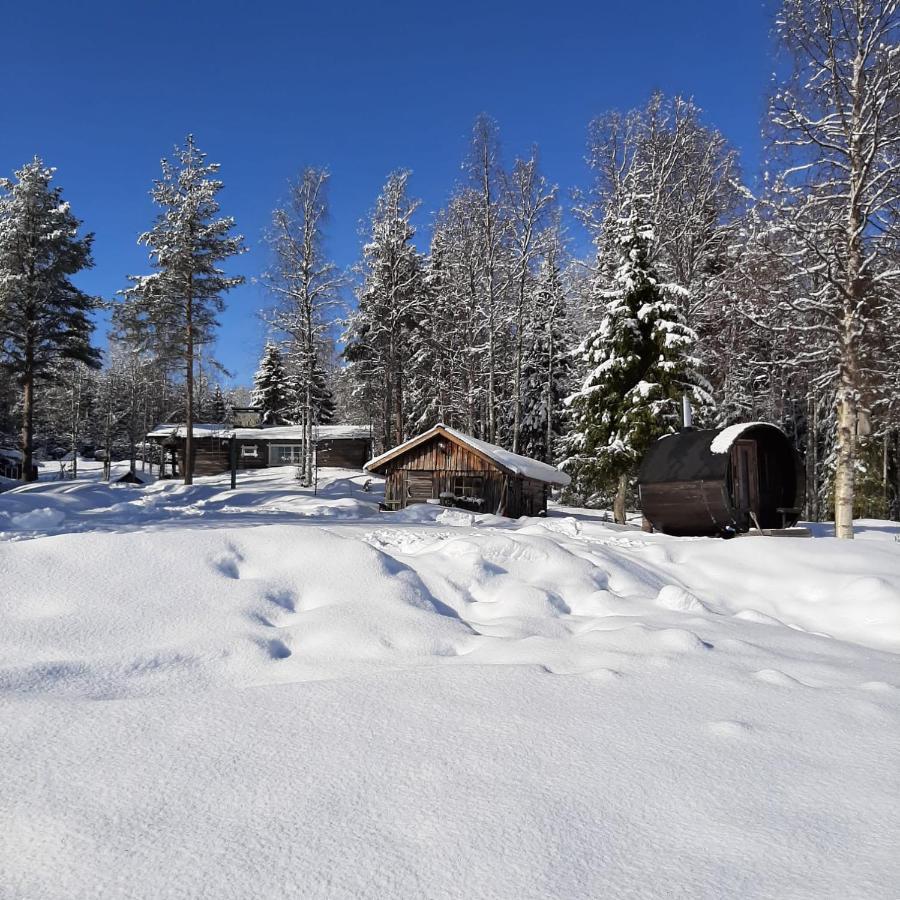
(444, 460)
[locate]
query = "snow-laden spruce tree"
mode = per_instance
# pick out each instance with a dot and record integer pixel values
(308, 391)
(271, 387)
(639, 365)
(323, 404)
(44, 318)
(217, 410)
(389, 308)
(426, 368)
(175, 308)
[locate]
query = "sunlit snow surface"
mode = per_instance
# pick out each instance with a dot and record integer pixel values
(265, 693)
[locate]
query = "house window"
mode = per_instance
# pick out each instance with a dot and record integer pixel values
(289, 455)
(249, 450)
(467, 486)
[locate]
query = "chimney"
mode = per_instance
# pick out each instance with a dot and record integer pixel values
(686, 412)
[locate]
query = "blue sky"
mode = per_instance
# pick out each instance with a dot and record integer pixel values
(102, 90)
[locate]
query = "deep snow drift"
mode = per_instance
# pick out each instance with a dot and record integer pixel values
(264, 693)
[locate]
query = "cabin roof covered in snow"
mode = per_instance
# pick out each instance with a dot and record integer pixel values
(509, 462)
(275, 433)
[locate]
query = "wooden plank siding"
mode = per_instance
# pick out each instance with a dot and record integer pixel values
(344, 453)
(444, 460)
(212, 454)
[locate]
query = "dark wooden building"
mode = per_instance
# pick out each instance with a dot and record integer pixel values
(343, 446)
(721, 482)
(11, 464)
(446, 466)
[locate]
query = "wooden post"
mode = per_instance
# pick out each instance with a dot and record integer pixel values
(232, 447)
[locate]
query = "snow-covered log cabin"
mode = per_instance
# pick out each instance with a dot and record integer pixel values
(345, 446)
(450, 467)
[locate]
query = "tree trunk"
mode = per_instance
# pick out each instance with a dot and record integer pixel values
(107, 437)
(548, 412)
(28, 428)
(845, 456)
(849, 385)
(76, 421)
(812, 440)
(517, 409)
(895, 500)
(398, 405)
(189, 394)
(492, 362)
(132, 421)
(308, 433)
(619, 504)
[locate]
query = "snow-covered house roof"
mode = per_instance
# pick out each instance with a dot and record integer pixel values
(292, 433)
(200, 430)
(511, 463)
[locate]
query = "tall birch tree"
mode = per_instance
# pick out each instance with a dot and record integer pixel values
(835, 123)
(306, 285)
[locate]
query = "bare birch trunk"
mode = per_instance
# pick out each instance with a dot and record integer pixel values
(844, 472)
(849, 385)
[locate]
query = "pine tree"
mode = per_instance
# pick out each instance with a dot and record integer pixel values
(270, 384)
(44, 318)
(639, 365)
(174, 310)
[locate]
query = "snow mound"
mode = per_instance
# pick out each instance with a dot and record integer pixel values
(273, 692)
(43, 518)
(673, 597)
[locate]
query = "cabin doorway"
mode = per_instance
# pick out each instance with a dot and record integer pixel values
(745, 480)
(419, 487)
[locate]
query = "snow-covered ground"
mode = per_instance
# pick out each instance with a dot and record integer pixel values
(265, 693)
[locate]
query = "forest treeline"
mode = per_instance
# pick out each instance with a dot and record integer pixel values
(776, 303)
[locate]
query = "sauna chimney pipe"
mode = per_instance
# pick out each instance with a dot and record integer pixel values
(687, 413)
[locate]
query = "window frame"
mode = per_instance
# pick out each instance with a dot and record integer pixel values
(295, 452)
(472, 487)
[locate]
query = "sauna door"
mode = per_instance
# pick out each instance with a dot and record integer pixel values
(745, 480)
